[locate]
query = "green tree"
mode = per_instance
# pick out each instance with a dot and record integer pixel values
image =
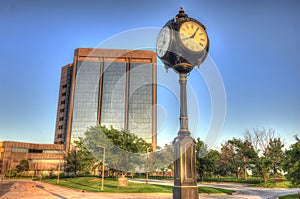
(210, 160)
(262, 167)
(80, 159)
(245, 153)
(124, 150)
(162, 159)
(275, 155)
(206, 160)
(201, 151)
(228, 164)
(292, 162)
(23, 166)
(269, 149)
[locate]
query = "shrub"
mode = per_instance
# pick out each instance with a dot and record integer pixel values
(11, 173)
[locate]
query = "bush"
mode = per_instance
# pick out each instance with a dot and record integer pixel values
(11, 173)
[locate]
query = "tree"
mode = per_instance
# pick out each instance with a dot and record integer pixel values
(292, 162)
(201, 151)
(162, 159)
(259, 138)
(269, 150)
(206, 161)
(228, 164)
(210, 161)
(23, 166)
(262, 167)
(124, 150)
(245, 153)
(275, 154)
(79, 159)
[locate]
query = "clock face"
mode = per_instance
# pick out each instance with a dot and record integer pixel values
(163, 41)
(193, 36)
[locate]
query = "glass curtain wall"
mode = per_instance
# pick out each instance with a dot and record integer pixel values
(113, 95)
(140, 101)
(85, 106)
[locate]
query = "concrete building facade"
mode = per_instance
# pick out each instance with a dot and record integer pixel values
(42, 158)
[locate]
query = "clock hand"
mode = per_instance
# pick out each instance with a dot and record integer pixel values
(186, 38)
(195, 33)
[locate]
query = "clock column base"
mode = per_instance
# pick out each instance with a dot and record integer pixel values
(185, 192)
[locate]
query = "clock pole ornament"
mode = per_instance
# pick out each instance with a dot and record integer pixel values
(182, 44)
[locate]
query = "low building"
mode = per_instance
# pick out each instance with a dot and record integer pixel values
(42, 158)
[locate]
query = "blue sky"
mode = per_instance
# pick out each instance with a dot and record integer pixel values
(254, 46)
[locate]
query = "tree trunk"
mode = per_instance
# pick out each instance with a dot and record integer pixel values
(245, 169)
(238, 173)
(265, 179)
(245, 172)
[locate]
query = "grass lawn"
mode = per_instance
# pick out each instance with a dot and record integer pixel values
(283, 184)
(93, 184)
(293, 196)
(210, 190)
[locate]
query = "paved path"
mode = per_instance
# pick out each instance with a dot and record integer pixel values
(40, 190)
(244, 191)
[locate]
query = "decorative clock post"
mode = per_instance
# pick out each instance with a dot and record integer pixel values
(182, 44)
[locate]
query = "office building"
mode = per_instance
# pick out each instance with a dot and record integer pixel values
(107, 87)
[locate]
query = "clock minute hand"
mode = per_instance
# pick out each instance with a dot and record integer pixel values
(193, 35)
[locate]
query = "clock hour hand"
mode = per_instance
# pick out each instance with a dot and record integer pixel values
(185, 38)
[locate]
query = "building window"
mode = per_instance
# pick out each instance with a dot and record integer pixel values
(61, 118)
(62, 110)
(60, 127)
(35, 151)
(63, 94)
(63, 102)
(52, 151)
(64, 86)
(19, 150)
(59, 136)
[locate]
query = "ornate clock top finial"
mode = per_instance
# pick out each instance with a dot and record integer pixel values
(181, 9)
(181, 13)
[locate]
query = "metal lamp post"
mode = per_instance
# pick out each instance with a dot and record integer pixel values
(103, 162)
(147, 173)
